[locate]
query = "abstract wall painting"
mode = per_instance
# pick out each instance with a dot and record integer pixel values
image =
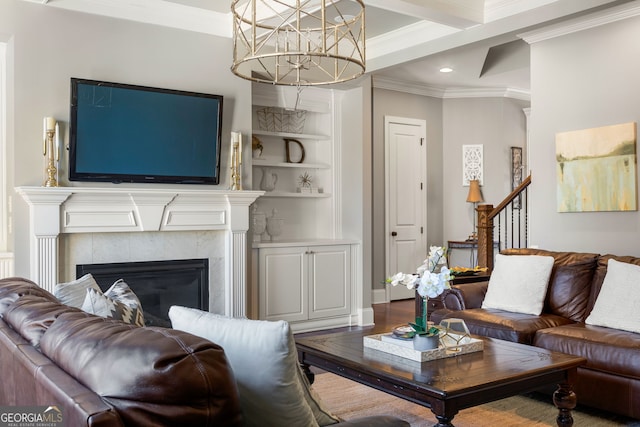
(596, 169)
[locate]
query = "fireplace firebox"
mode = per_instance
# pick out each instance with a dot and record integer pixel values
(158, 284)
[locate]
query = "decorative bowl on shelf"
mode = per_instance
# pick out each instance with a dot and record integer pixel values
(276, 119)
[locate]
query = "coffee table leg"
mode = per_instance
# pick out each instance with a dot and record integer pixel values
(444, 421)
(306, 369)
(565, 400)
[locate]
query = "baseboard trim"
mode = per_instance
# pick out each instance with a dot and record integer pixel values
(379, 296)
(365, 317)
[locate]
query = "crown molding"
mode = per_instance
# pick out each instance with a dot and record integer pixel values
(380, 82)
(613, 14)
(487, 92)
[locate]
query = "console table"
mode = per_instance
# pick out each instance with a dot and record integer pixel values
(471, 245)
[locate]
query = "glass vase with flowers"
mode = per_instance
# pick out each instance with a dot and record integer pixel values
(430, 280)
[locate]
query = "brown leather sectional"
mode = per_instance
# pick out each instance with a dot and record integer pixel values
(103, 372)
(611, 378)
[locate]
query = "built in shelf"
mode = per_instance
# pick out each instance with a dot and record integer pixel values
(271, 163)
(291, 135)
(284, 243)
(294, 195)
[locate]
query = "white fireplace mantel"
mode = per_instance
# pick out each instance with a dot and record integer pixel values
(56, 210)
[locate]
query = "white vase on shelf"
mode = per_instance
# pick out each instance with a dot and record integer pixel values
(269, 180)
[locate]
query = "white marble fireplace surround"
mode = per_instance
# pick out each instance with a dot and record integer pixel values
(128, 212)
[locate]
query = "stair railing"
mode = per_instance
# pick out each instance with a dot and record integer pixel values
(508, 222)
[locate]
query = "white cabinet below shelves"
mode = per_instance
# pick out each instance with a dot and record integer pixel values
(305, 284)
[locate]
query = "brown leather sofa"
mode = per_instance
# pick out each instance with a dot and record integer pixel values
(103, 372)
(611, 378)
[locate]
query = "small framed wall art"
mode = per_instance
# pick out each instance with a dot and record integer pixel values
(472, 164)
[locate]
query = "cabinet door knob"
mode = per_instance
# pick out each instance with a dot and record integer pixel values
(394, 234)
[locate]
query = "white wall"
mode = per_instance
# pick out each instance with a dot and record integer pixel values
(47, 46)
(578, 81)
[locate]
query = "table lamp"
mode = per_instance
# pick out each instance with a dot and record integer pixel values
(475, 197)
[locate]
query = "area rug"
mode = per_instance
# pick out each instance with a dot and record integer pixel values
(348, 399)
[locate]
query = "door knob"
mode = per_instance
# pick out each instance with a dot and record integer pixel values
(394, 234)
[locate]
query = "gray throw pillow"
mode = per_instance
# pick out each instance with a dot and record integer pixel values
(273, 392)
(73, 293)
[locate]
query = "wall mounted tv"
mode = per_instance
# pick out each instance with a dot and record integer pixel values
(125, 133)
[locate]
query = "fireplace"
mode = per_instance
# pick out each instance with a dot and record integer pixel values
(119, 211)
(158, 284)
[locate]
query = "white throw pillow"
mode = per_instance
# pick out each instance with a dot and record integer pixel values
(73, 293)
(518, 283)
(619, 298)
(262, 354)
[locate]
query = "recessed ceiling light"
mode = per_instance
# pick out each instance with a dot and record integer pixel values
(446, 70)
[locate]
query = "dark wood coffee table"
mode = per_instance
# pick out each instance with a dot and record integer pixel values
(448, 385)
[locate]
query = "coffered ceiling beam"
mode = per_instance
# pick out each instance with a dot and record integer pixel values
(459, 14)
(157, 12)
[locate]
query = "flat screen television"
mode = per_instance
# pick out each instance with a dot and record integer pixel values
(126, 133)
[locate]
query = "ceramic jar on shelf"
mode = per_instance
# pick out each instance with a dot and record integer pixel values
(258, 223)
(274, 225)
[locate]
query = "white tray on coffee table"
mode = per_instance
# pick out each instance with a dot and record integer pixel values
(456, 345)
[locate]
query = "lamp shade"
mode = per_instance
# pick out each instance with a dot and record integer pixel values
(475, 194)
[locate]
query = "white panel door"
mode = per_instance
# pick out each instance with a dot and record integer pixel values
(405, 147)
(283, 284)
(329, 281)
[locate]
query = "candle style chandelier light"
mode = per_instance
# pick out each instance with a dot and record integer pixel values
(298, 42)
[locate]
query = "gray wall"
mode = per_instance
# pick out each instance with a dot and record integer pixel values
(47, 46)
(581, 80)
(399, 104)
(355, 176)
(496, 123)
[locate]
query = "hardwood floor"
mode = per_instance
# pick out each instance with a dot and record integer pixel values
(385, 317)
(395, 313)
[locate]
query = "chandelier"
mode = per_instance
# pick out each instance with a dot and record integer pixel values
(298, 42)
